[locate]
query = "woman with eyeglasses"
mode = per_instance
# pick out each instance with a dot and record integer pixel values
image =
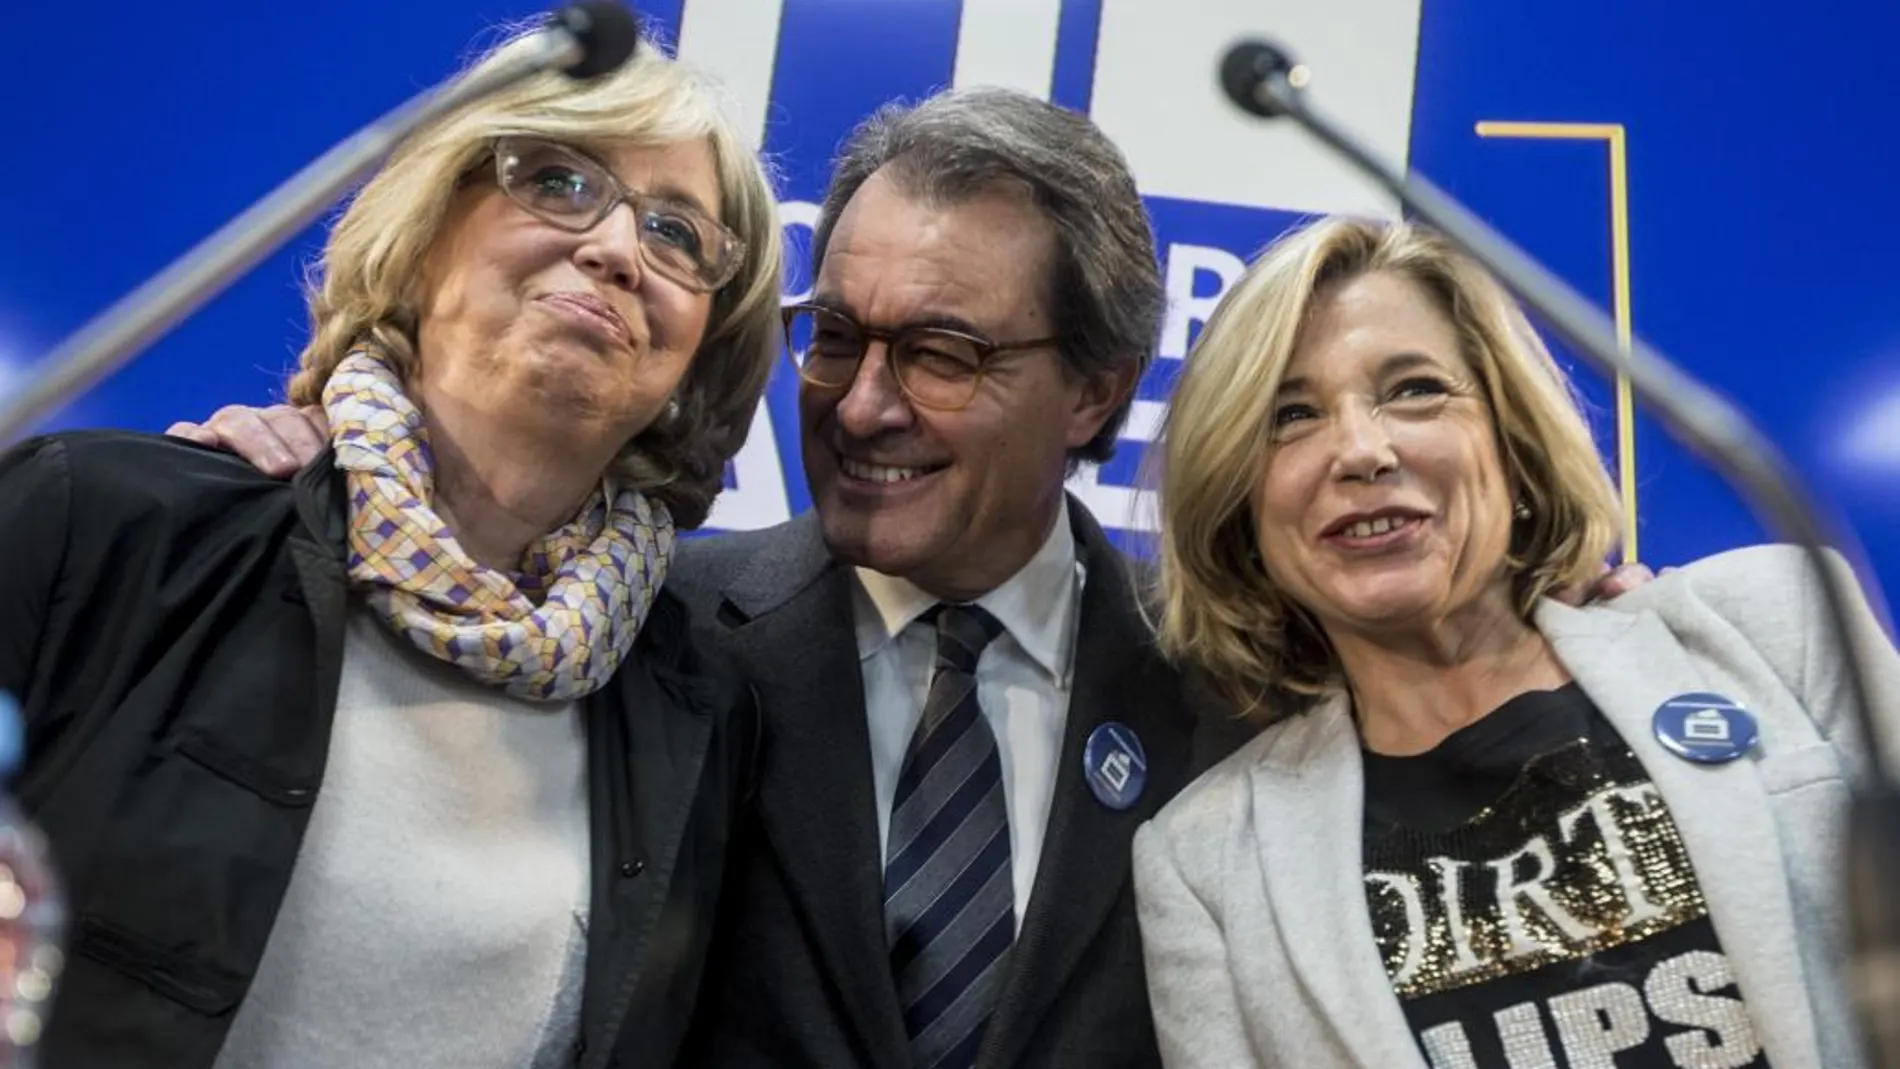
(409, 761)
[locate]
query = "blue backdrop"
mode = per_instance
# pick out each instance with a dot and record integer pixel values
(1759, 229)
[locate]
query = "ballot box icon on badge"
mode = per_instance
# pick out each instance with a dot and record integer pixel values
(1705, 725)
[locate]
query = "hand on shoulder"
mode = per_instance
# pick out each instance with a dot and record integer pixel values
(278, 440)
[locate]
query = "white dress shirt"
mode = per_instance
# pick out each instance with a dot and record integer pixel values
(1022, 683)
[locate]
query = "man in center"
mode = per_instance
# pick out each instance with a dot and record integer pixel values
(928, 877)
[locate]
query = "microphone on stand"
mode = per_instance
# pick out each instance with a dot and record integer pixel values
(1264, 80)
(582, 40)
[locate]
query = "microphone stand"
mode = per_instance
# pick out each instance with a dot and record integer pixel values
(1264, 80)
(583, 39)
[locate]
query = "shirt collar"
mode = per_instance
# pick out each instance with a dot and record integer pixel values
(1036, 606)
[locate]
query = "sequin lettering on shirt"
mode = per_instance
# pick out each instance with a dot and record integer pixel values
(1561, 926)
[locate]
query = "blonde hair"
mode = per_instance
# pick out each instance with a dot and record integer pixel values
(362, 292)
(1219, 611)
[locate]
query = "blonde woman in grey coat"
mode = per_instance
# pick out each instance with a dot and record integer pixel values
(1480, 828)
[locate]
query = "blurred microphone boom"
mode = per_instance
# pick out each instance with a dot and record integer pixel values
(583, 40)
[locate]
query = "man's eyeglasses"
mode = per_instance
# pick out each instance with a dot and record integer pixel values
(571, 190)
(934, 366)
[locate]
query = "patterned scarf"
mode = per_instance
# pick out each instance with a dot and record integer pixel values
(558, 630)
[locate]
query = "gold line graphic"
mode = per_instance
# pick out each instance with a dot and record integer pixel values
(1613, 134)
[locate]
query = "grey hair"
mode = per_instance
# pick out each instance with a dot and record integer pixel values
(1105, 290)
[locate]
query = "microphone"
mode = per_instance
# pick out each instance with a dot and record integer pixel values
(1263, 79)
(1249, 66)
(582, 40)
(604, 32)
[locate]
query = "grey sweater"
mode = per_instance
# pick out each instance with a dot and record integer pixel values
(436, 916)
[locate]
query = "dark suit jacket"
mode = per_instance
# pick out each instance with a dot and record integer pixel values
(799, 974)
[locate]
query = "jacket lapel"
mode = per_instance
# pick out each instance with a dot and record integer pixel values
(319, 552)
(1629, 663)
(792, 631)
(646, 752)
(1084, 869)
(1309, 788)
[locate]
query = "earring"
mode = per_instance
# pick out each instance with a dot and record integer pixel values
(671, 413)
(1522, 511)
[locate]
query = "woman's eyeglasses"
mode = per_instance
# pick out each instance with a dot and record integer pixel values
(566, 188)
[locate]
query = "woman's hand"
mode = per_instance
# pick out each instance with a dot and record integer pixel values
(276, 441)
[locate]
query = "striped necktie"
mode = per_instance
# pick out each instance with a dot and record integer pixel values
(948, 893)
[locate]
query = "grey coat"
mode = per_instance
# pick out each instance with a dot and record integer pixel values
(1255, 926)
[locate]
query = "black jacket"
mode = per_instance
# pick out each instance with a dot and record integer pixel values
(172, 623)
(800, 972)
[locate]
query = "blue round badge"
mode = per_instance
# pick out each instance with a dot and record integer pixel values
(1705, 728)
(1115, 765)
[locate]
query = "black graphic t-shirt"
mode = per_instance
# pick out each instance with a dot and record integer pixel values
(1535, 905)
